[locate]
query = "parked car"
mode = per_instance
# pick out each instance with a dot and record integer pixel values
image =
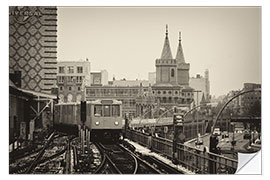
(225, 134)
(247, 134)
(199, 142)
(256, 144)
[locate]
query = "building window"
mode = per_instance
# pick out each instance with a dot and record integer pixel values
(172, 73)
(158, 92)
(79, 88)
(79, 69)
(164, 100)
(79, 79)
(170, 92)
(62, 69)
(70, 69)
(61, 79)
(69, 88)
(69, 79)
(176, 92)
(183, 94)
(69, 98)
(61, 88)
(164, 92)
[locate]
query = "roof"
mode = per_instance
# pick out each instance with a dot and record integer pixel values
(180, 55)
(145, 83)
(151, 122)
(166, 52)
(35, 93)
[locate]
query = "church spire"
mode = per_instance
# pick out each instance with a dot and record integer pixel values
(166, 52)
(180, 55)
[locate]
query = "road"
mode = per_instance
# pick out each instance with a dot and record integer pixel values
(225, 144)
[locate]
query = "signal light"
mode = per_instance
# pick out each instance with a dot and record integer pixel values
(83, 111)
(178, 120)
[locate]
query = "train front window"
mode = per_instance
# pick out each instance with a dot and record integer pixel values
(107, 111)
(98, 110)
(115, 110)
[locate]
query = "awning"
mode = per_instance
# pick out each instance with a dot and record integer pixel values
(38, 94)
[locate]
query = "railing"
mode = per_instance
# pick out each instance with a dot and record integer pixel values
(141, 138)
(193, 159)
(163, 146)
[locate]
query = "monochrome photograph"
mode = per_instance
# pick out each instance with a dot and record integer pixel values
(133, 90)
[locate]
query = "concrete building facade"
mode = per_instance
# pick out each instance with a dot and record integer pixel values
(152, 77)
(250, 99)
(126, 94)
(202, 84)
(72, 77)
(33, 46)
(99, 78)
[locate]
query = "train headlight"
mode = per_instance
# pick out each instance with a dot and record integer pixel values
(116, 123)
(97, 123)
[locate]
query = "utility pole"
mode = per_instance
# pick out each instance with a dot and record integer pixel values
(197, 91)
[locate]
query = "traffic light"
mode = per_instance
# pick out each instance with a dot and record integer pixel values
(83, 111)
(179, 137)
(178, 120)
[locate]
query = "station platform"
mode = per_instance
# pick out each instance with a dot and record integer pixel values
(145, 151)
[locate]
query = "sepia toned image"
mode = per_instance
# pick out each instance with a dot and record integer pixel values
(133, 90)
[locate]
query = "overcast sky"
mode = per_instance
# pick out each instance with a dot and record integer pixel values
(126, 41)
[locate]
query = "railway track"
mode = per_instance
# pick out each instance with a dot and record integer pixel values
(49, 159)
(119, 160)
(53, 157)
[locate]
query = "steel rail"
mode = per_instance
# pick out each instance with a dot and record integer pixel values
(139, 160)
(107, 154)
(169, 169)
(103, 162)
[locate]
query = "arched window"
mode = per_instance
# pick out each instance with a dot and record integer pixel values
(172, 72)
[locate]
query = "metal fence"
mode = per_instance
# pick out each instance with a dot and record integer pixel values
(193, 159)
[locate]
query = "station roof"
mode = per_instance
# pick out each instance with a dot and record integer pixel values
(38, 94)
(150, 122)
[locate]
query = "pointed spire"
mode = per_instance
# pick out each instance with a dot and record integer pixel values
(166, 52)
(203, 101)
(180, 55)
(166, 30)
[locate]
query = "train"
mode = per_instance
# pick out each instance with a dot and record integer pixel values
(103, 118)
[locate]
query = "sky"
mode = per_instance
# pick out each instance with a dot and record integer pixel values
(126, 41)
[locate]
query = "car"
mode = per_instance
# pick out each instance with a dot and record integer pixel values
(247, 134)
(198, 142)
(256, 144)
(225, 134)
(217, 132)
